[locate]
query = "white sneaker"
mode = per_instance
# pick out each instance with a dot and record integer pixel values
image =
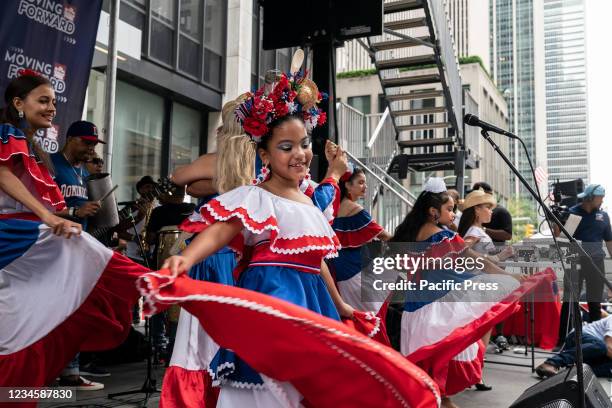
(82, 384)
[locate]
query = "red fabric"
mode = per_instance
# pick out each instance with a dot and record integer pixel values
(464, 374)
(369, 324)
(20, 216)
(184, 388)
(279, 339)
(17, 146)
(547, 312)
(102, 322)
(356, 239)
(434, 358)
(337, 200)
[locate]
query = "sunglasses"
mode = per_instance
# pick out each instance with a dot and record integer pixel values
(97, 162)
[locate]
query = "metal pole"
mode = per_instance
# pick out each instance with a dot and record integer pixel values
(111, 82)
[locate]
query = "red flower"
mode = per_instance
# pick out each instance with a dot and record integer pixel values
(28, 72)
(255, 127)
(292, 95)
(322, 118)
(281, 109)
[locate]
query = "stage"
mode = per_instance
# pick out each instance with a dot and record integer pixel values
(508, 383)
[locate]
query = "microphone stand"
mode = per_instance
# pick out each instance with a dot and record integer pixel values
(149, 387)
(574, 244)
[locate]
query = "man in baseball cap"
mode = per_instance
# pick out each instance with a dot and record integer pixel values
(593, 190)
(85, 131)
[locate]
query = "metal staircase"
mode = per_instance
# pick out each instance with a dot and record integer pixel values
(417, 66)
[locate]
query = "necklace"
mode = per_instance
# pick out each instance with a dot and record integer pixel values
(78, 176)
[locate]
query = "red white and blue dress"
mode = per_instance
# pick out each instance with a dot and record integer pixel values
(354, 232)
(441, 326)
(280, 315)
(188, 380)
(58, 296)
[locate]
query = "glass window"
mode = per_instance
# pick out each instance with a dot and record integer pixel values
(361, 103)
(190, 60)
(164, 10)
(162, 42)
(186, 131)
(191, 18)
(213, 66)
(214, 25)
(132, 15)
(137, 141)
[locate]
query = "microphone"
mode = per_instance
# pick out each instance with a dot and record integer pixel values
(472, 120)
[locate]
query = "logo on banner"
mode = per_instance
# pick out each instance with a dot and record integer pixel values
(56, 73)
(48, 138)
(51, 13)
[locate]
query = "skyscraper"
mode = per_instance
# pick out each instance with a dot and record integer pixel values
(469, 23)
(517, 66)
(566, 90)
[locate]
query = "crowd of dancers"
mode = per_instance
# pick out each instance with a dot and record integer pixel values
(270, 283)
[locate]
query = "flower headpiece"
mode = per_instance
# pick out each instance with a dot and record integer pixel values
(28, 72)
(289, 94)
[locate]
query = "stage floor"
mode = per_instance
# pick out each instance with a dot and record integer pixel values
(508, 383)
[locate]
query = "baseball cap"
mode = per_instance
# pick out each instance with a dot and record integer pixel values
(593, 190)
(85, 130)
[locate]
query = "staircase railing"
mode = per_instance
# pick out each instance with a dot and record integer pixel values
(447, 62)
(371, 144)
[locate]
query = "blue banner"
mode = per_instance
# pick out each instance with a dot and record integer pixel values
(55, 38)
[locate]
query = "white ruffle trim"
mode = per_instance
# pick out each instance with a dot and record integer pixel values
(249, 304)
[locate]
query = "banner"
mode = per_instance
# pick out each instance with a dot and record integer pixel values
(55, 38)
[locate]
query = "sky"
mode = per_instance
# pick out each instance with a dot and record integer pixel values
(599, 82)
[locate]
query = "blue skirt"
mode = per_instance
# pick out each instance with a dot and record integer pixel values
(303, 289)
(217, 268)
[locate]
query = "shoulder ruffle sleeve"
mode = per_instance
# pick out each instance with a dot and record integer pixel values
(356, 230)
(293, 227)
(14, 145)
(446, 243)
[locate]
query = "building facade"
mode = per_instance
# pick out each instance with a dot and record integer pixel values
(469, 22)
(517, 67)
(178, 62)
(492, 108)
(566, 90)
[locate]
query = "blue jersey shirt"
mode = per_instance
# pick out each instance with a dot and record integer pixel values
(594, 228)
(71, 181)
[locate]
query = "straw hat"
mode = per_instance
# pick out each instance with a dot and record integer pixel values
(478, 197)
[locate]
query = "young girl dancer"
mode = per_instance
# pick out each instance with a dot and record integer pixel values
(441, 326)
(58, 296)
(354, 227)
(286, 254)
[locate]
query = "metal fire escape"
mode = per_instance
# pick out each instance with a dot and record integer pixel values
(418, 69)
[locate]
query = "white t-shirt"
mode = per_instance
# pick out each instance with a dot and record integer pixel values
(484, 244)
(599, 329)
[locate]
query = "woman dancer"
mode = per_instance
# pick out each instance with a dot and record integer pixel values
(354, 227)
(441, 325)
(82, 297)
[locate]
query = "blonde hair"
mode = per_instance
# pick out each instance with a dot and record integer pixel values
(236, 152)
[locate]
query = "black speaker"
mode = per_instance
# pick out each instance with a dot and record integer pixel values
(292, 23)
(561, 391)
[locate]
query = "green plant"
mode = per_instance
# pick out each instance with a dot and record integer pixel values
(356, 74)
(523, 215)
